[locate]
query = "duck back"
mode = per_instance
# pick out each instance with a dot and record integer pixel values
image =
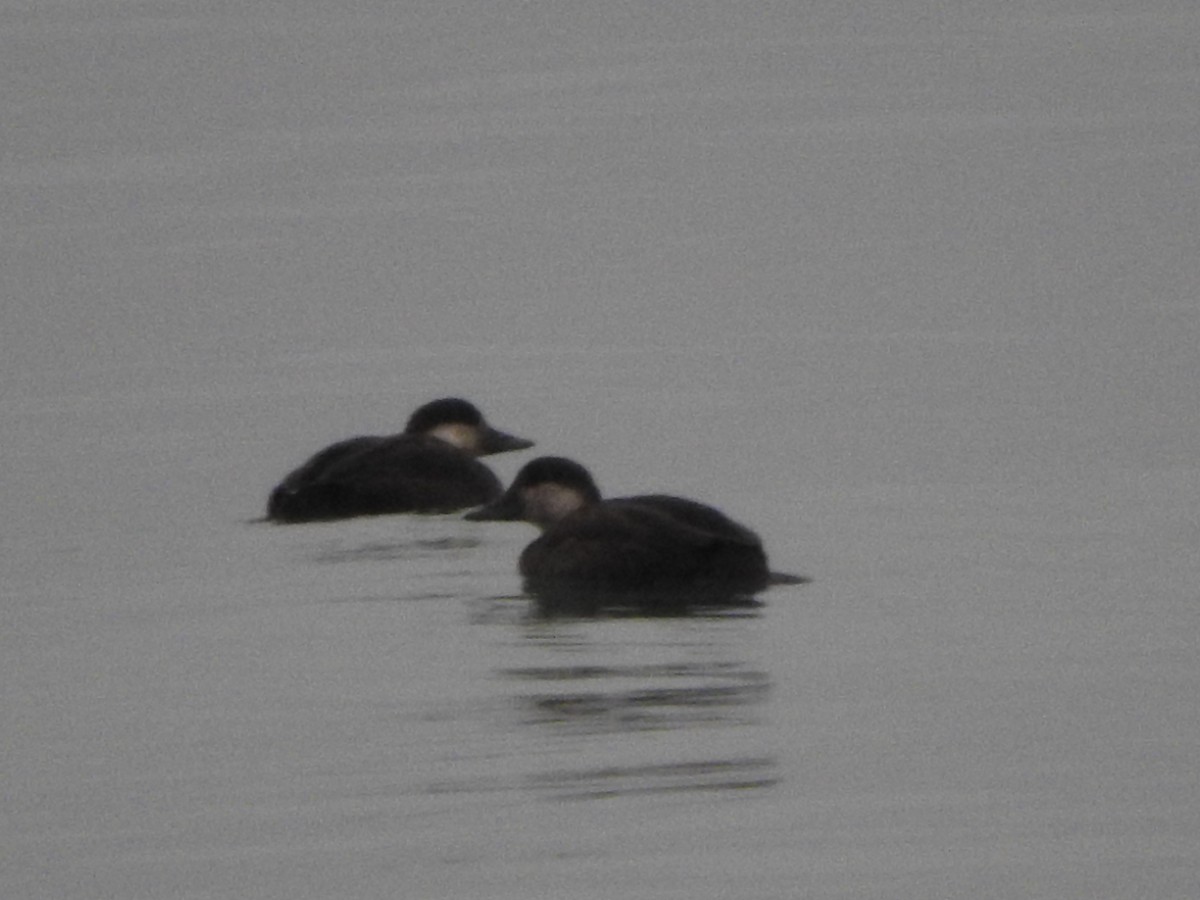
(379, 475)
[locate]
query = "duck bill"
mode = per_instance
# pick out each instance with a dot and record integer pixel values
(492, 440)
(506, 509)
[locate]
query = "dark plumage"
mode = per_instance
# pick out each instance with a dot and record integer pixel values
(654, 552)
(430, 467)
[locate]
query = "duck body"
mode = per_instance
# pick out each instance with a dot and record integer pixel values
(654, 552)
(380, 475)
(431, 467)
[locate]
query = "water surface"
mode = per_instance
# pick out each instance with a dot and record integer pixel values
(908, 289)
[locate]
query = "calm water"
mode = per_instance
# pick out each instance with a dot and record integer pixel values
(910, 290)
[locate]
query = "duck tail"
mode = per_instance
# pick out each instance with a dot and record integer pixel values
(780, 578)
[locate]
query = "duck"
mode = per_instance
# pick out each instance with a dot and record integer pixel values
(430, 467)
(654, 553)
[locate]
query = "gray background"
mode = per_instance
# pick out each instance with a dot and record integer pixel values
(909, 287)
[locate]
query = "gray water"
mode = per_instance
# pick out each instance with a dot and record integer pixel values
(910, 288)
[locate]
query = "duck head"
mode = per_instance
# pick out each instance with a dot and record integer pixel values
(460, 424)
(545, 491)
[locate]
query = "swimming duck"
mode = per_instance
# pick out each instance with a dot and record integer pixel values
(653, 552)
(430, 467)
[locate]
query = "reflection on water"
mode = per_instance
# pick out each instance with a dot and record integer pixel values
(726, 695)
(606, 707)
(550, 705)
(606, 702)
(602, 782)
(551, 601)
(710, 775)
(529, 608)
(387, 551)
(388, 558)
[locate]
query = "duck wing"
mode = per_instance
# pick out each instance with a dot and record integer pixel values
(414, 472)
(298, 498)
(647, 544)
(320, 463)
(700, 517)
(401, 473)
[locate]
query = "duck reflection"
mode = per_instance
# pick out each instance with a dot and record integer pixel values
(606, 712)
(387, 551)
(726, 694)
(714, 775)
(550, 601)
